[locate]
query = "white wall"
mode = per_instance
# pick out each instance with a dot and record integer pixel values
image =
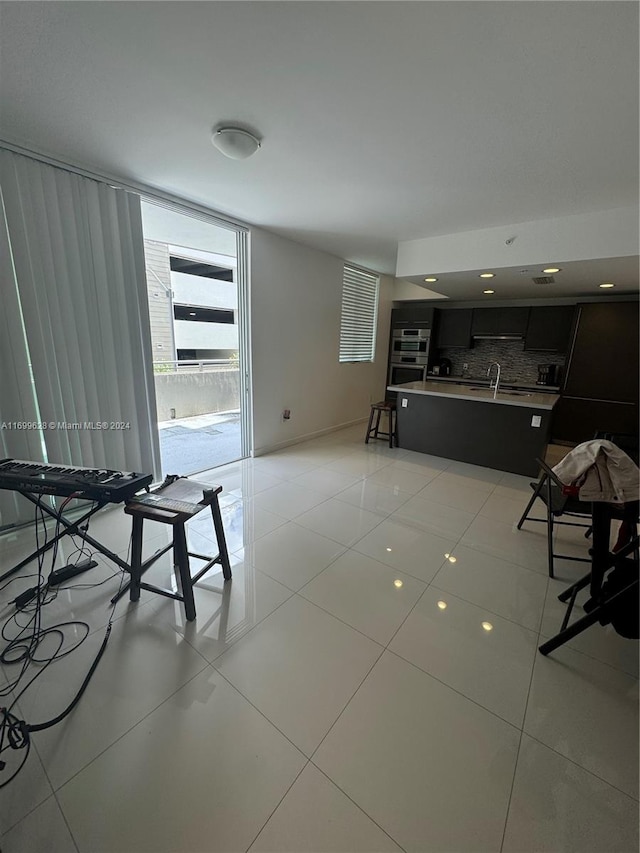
(296, 295)
(207, 292)
(190, 334)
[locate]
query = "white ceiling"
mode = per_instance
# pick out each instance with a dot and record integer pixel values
(381, 121)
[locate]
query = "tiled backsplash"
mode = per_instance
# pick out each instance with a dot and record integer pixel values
(517, 365)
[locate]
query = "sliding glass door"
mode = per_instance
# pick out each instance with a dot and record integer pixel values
(196, 292)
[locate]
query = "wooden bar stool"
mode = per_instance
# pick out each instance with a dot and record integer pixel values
(373, 429)
(174, 503)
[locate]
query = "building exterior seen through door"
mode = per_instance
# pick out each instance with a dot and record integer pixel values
(193, 292)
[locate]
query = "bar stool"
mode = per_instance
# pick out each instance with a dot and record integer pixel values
(174, 503)
(373, 430)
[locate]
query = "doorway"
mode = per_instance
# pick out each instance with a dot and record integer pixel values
(196, 289)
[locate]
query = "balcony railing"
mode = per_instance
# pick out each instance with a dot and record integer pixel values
(197, 366)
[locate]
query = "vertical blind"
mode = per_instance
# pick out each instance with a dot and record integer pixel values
(359, 315)
(76, 348)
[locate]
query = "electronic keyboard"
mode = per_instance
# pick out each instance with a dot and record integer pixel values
(94, 484)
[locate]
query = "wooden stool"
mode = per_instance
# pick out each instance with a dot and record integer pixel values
(174, 503)
(373, 430)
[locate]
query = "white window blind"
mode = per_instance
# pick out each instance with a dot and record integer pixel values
(359, 315)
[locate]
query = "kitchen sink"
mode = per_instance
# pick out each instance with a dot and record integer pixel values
(500, 391)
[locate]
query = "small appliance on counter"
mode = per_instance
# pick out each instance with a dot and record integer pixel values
(442, 367)
(548, 374)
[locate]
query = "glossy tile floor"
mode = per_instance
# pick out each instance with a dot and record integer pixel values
(368, 681)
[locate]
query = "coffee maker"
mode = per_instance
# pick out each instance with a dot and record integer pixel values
(548, 374)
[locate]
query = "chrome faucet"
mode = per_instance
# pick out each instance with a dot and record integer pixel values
(493, 385)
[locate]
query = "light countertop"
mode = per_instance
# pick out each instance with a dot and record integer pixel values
(526, 399)
(469, 380)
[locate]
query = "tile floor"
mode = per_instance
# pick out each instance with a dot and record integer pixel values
(368, 681)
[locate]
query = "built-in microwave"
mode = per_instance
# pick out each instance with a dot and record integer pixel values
(410, 341)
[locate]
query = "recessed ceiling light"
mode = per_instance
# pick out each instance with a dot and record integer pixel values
(552, 269)
(488, 291)
(452, 559)
(487, 626)
(431, 278)
(398, 583)
(442, 605)
(606, 284)
(487, 275)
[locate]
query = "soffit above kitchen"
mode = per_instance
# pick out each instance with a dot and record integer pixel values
(575, 279)
(380, 122)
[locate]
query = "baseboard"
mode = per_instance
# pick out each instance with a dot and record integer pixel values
(272, 448)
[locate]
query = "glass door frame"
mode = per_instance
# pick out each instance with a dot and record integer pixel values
(244, 306)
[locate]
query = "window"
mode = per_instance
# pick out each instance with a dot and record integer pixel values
(199, 268)
(203, 315)
(359, 315)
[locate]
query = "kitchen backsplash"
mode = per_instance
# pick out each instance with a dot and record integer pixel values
(517, 365)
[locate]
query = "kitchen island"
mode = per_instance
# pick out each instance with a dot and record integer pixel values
(467, 423)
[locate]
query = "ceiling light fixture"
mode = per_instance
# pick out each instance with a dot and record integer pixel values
(487, 275)
(431, 279)
(606, 284)
(488, 291)
(234, 142)
(551, 270)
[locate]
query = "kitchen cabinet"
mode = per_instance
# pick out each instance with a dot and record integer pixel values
(603, 363)
(499, 321)
(413, 312)
(601, 386)
(453, 328)
(549, 328)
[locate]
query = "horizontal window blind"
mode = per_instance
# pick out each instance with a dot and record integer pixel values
(359, 315)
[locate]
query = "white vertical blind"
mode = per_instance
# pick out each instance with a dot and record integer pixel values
(74, 279)
(359, 315)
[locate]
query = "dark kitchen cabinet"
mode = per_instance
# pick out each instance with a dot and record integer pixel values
(601, 386)
(603, 363)
(549, 328)
(499, 321)
(413, 312)
(453, 328)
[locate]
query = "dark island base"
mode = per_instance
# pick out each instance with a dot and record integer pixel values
(482, 433)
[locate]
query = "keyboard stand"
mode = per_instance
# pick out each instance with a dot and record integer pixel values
(70, 527)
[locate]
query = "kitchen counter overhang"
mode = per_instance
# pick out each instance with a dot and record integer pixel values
(526, 399)
(459, 422)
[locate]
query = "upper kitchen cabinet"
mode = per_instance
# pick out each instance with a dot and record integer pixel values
(549, 328)
(453, 328)
(413, 312)
(499, 321)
